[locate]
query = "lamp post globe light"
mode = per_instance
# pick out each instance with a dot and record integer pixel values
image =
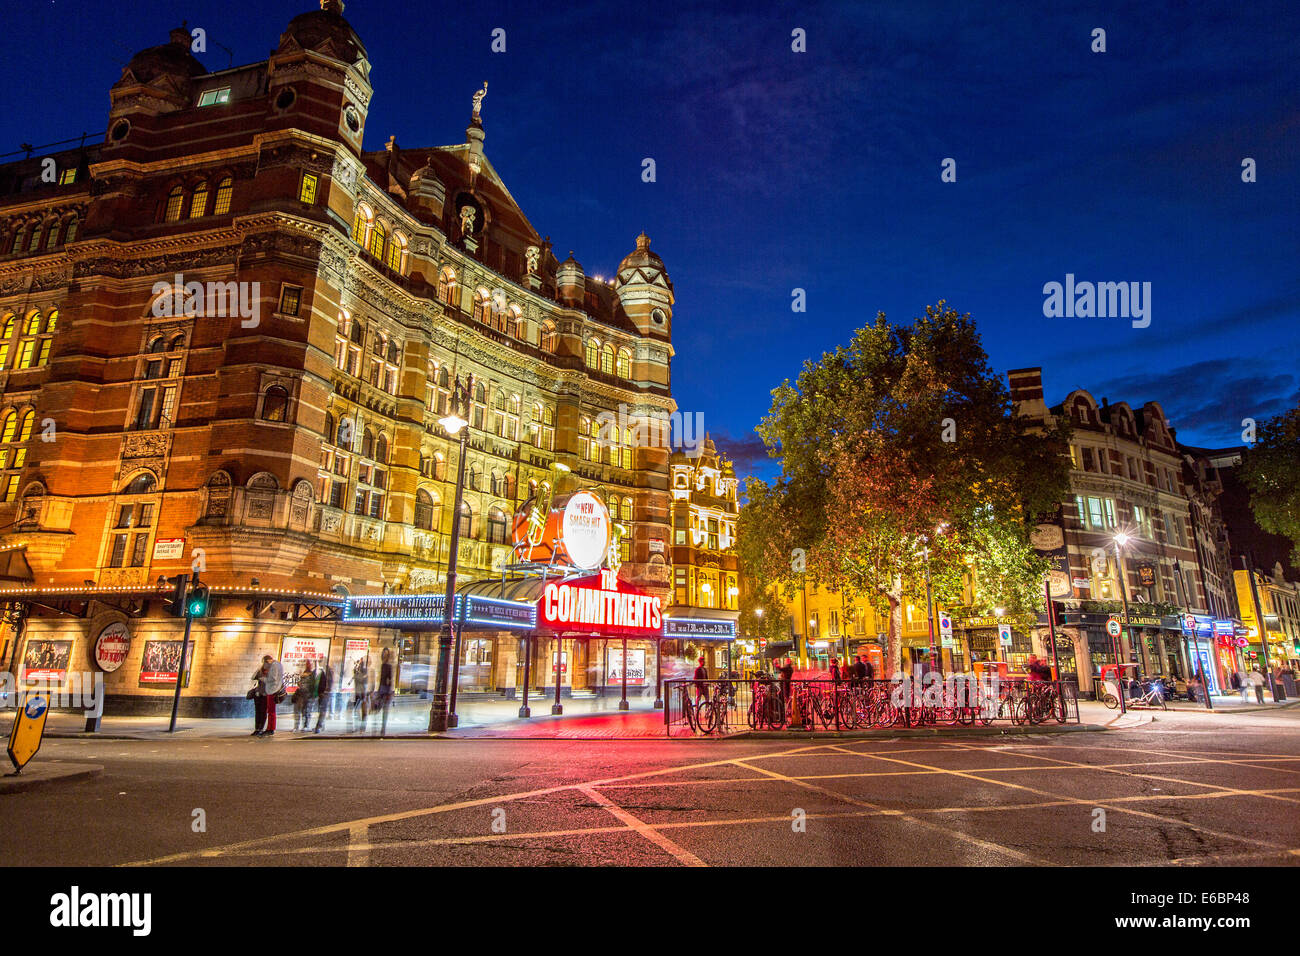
(441, 714)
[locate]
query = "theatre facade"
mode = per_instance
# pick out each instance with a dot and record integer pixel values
(230, 333)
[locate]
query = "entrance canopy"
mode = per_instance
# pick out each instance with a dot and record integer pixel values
(577, 605)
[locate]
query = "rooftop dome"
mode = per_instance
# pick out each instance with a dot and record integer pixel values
(641, 257)
(170, 59)
(325, 31)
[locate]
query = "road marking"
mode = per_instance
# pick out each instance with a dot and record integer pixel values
(646, 830)
(957, 835)
(358, 846)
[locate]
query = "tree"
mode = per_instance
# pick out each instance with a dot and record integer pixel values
(901, 454)
(1271, 470)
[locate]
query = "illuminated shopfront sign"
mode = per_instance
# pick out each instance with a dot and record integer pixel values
(699, 628)
(599, 603)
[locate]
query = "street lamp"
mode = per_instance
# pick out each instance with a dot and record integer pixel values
(1121, 541)
(442, 713)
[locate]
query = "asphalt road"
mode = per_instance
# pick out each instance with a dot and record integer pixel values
(1188, 789)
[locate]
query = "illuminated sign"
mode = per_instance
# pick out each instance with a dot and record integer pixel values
(574, 530)
(599, 603)
(399, 609)
(586, 530)
(698, 627)
(111, 646)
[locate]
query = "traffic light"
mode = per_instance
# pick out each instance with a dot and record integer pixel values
(1058, 612)
(197, 605)
(176, 606)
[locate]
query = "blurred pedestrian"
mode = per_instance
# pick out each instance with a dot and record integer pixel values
(304, 696)
(1257, 682)
(701, 681)
(360, 694)
(835, 670)
(324, 693)
(384, 693)
(273, 688)
(787, 678)
(258, 693)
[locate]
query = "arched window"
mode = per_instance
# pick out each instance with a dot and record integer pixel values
(53, 321)
(471, 482)
(381, 449)
(483, 306)
(225, 189)
(425, 510)
(177, 343)
(447, 285)
(141, 484)
(343, 435)
(607, 360)
(627, 447)
(329, 427)
(19, 235)
(199, 201)
(25, 431)
(394, 353)
(593, 353)
(175, 200)
(33, 323)
(480, 405)
(378, 239)
(11, 322)
(624, 366)
(466, 520)
(10, 428)
(157, 344)
(70, 233)
(52, 237)
(35, 242)
(275, 404)
(396, 253)
(496, 526)
(514, 322)
(358, 333)
(367, 443)
(359, 224)
(439, 466)
(627, 510)
(548, 336)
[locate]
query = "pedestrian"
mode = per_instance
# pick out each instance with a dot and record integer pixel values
(701, 681)
(864, 670)
(835, 670)
(1037, 670)
(324, 693)
(384, 693)
(304, 695)
(787, 678)
(273, 688)
(1257, 681)
(360, 693)
(258, 694)
(1243, 685)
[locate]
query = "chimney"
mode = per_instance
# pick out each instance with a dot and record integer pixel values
(1027, 391)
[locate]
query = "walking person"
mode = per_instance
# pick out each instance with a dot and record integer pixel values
(384, 693)
(304, 696)
(787, 679)
(701, 681)
(1242, 683)
(360, 694)
(324, 693)
(1256, 681)
(259, 699)
(835, 671)
(273, 688)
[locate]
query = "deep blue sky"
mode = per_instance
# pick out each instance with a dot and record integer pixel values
(821, 170)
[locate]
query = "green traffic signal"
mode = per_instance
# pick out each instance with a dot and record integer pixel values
(198, 603)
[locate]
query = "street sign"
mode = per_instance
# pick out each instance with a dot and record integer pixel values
(1004, 633)
(1113, 627)
(1189, 623)
(29, 728)
(945, 631)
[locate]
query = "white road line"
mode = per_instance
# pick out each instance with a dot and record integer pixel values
(646, 830)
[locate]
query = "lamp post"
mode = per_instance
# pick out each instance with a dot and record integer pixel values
(1121, 540)
(442, 715)
(758, 614)
(998, 612)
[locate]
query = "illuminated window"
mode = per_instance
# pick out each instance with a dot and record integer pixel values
(359, 224)
(307, 189)
(199, 201)
(396, 251)
(27, 352)
(593, 353)
(607, 360)
(175, 199)
(549, 339)
(68, 177)
(624, 368)
(378, 238)
(218, 97)
(275, 404)
(224, 190)
(71, 232)
(290, 299)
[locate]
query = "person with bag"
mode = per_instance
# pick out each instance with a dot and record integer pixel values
(384, 693)
(273, 689)
(305, 695)
(258, 696)
(324, 688)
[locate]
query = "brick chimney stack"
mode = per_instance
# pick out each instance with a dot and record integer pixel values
(1027, 391)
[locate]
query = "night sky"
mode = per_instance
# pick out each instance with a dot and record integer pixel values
(821, 170)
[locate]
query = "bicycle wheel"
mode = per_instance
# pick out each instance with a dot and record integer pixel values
(848, 712)
(1110, 700)
(775, 713)
(706, 716)
(754, 716)
(688, 710)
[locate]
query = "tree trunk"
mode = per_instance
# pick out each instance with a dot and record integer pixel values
(895, 654)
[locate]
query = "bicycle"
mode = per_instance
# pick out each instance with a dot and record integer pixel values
(768, 709)
(711, 713)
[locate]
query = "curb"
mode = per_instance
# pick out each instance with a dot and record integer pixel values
(52, 773)
(893, 732)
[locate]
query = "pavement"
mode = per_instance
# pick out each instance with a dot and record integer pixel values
(1176, 789)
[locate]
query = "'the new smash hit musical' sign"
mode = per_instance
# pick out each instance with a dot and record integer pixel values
(599, 603)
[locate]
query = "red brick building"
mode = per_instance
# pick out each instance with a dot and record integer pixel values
(229, 334)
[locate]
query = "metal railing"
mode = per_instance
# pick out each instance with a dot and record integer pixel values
(724, 706)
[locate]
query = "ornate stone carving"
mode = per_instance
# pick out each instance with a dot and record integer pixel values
(145, 444)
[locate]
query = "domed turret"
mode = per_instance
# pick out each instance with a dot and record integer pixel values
(645, 290)
(172, 59)
(324, 31)
(571, 282)
(427, 192)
